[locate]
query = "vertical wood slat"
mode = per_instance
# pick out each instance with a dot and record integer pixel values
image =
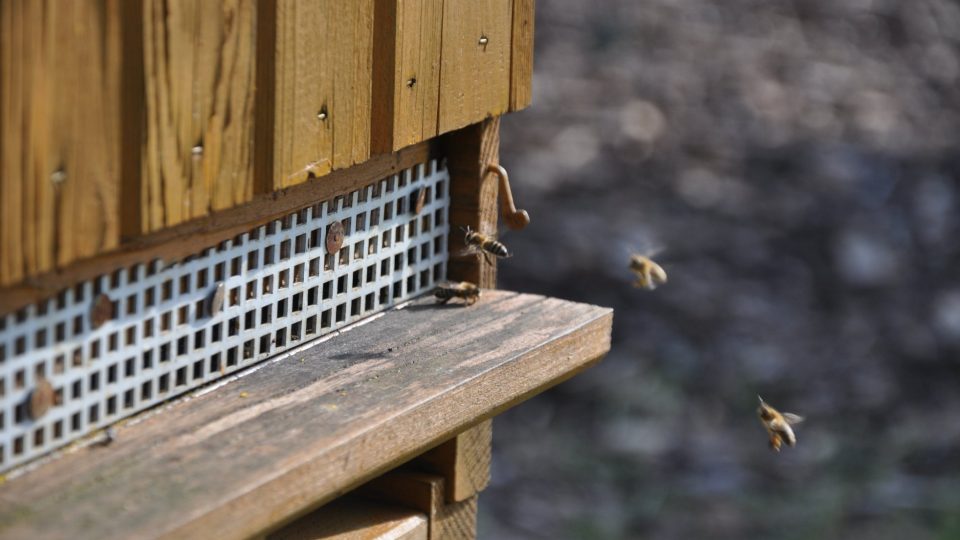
(199, 67)
(521, 56)
(406, 72)
(60, 89)
(474, 76)
(473, 196)
(315, 81)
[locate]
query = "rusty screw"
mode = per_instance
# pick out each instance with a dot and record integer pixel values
(334, 237)
(420, 200)
(40, 399)
(215, 300)
(101, 311)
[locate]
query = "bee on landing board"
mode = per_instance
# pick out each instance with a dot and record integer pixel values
(487, 246)
(465, 290)
(648, 273)
(777, 425)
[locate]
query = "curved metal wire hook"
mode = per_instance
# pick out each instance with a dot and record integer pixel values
(515, 218)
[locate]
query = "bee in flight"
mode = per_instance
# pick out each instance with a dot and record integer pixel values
(649, 274)
(487, 246)
(469, 292)
(777, 425)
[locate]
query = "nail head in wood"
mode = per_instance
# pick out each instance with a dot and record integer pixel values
(215, 300)
(411, 81)
(101, 311)
(334, 237)
(58, 177)
(483, 41)
(322, 115)
(40, 400)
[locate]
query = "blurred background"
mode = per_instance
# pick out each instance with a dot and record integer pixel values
(797, 162)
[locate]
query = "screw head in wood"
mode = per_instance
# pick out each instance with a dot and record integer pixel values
(421, 198)
(483, 41)
(334, 237)
(101, 311)
(58, 177)
(322, 115)
(215, 300)
(411, 81)
(40, 400)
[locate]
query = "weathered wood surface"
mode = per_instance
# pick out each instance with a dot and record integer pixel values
(174, 243)
(61, 70)
(425, 492)
(473, 196)
(463, 461)
(315, 80)
(356, 518)
(301, 431)
(199, 65)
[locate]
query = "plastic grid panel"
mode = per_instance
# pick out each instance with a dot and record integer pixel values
(281, 289)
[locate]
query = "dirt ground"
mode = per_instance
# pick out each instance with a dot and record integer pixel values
(798, 165)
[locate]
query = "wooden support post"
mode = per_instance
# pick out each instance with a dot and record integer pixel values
(464, 462)
(473, 196)
(425, 492)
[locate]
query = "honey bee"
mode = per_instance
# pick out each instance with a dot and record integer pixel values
(649, 274)
(487, 246)
(469, 292)
(777, 425)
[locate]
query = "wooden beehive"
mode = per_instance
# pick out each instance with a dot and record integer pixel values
(197, 200)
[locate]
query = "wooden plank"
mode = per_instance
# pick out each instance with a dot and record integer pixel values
(464, 462)
(199, 60)
(60, 95)
(521, 56)
(406, 82)
(355, 518)
(473, 196)
(174, 243)
(475, 61)
(425, 492)
(315, 80)
(303, 430)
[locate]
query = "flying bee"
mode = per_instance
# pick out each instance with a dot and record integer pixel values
(487, 246)
(469, 292)
(649, 274)
(777, 425)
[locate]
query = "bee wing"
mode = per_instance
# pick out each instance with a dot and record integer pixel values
(792, 418)
(468, 251)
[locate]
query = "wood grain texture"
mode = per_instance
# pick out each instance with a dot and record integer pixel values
(174, 243)
(60, 88)
(463, 461)
(303, 430)
(425, 493)
(474, 76)
(315, 78)
(197, 154)
(356, 518)
(521, 56)
(406, 72)
(473, 196)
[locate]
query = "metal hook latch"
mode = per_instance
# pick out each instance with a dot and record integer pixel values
(514, 218)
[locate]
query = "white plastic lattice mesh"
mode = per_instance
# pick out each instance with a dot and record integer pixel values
(281, 289)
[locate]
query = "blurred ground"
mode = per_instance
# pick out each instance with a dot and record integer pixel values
(799, 162)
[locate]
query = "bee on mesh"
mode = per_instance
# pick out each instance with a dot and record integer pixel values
(778, 425)
(466, 291)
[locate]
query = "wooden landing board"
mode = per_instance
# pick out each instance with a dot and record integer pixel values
(303, 430)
